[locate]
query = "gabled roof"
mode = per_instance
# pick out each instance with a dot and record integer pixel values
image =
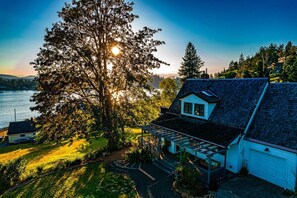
(20, 127)
(201, 129)
(276, 119)
(203, 96)
(238, 98)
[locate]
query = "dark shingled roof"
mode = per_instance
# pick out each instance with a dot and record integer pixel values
(20, 127)
(215, 133)
(276, 119)
(238, 98)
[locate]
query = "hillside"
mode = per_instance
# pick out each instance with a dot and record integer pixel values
(10, 77)
(10, 82)
(71, 168)
(279, 62)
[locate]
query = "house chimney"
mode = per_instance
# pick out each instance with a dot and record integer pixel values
(205, 75)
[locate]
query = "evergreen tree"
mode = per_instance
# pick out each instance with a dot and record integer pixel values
(83, 84)
(292, 72)
(241, 59)
(191, 64)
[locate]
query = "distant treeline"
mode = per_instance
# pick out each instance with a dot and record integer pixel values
(17, 84)
(279, 62)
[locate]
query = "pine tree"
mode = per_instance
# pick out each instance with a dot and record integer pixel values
(191, 64)
(241, 59)
(85, 86)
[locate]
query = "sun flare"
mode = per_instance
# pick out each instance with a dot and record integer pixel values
(115, 50)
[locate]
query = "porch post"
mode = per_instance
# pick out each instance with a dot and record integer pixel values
(159, 146)
(180, 154)
(225, 162)
(208, 172)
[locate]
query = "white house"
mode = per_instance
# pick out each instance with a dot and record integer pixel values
(235, 123)
(21, 131)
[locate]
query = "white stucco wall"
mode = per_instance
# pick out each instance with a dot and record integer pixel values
(13, 137)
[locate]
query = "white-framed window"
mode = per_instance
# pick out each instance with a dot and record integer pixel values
(195, 109)
(199, 109)
(188, 107)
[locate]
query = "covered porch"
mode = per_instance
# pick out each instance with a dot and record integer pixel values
(197, 152)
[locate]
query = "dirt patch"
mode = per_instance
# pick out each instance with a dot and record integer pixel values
(116, 155)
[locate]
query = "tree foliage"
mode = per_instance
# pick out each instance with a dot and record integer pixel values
(10, 173)
(191, 64)
(169, 90)
(275, 61)
(82, 85)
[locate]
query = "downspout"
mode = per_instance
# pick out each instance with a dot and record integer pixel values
(253, 116)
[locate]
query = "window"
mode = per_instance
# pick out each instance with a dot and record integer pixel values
(22, 135)
(188, 108)
(199, 110)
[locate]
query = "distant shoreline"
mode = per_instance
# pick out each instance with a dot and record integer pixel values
(18, 89)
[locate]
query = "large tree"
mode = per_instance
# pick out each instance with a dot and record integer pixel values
(191, 64)
(169, 91)
(91, 68)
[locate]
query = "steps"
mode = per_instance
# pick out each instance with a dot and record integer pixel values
(165, 165)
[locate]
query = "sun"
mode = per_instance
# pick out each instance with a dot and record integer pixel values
(115, 50)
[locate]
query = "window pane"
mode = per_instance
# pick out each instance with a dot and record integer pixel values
(199, 109)
(188, 107)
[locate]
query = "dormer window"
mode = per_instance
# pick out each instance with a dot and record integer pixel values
(199, 110)
(188, 108)
(198, 105)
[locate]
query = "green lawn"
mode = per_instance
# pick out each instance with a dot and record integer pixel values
(49, 155)
(89, 181)
(132, 134)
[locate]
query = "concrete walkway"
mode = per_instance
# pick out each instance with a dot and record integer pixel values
(158, 187)
(248, 187)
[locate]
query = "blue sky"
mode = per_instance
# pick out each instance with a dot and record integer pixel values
(220, 30)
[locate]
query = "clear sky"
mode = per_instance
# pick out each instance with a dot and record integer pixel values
(220, 30)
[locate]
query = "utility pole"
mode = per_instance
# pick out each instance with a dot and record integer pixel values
(15, 115)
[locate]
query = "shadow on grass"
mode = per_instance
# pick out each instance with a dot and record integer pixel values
(92, 180)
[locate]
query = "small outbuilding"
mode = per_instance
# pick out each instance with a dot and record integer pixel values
(21, 131)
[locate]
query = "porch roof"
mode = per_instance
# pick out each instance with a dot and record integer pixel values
(203, 130)
(185, 140)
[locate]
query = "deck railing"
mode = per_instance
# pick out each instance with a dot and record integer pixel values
(216, 174)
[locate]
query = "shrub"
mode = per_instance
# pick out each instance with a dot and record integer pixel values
(244, 170)
(187, 179)
(10, 173)
(39, 170)
(139, 155)
(166, 146)
(95, 154)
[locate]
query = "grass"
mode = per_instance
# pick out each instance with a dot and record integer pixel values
(132, 134)
(92, 180)
(49, 155)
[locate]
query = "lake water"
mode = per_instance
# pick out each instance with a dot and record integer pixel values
(19, 100)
